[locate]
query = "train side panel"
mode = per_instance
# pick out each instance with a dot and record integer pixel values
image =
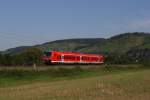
(69, 57)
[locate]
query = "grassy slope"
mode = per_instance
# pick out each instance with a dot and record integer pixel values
(113, 44)
(119, 43)
(70, 44)
(24, 75)
(126, 84)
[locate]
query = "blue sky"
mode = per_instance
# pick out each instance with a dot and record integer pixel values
(29, 22)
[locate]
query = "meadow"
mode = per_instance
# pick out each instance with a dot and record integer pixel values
(89, 82)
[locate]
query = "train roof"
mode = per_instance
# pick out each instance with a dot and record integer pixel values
(69, 52)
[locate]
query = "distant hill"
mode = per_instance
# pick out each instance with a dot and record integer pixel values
(17, 49)
(117, 44)
(70, 44)
(124, 42)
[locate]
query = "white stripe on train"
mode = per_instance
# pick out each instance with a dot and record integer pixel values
(77, 62)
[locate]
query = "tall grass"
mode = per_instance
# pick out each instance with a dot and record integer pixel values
(105, 84)
(15, 76)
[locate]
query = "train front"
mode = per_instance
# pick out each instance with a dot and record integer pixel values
(47, 57)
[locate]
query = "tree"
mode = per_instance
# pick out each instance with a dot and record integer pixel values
(118, 59)
(18, 59)
(1, 59)
(32, 56)
(6, 60)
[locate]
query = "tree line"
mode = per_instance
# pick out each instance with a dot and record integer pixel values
(134, 56)
(26, 58)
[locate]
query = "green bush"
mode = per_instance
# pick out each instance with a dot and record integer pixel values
(28, 57)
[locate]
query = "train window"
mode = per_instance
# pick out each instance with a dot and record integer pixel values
(65, 57)
(58, 57)
(94, 59)
(72, 57)
(78, 58)
(69, 57)
(85, 58)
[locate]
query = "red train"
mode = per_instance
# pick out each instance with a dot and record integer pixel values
(70, 58)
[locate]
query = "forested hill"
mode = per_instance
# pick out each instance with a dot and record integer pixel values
(117, 44)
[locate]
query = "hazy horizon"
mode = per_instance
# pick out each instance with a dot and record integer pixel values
(31, 22)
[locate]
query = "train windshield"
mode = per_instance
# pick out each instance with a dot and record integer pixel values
(48, 54)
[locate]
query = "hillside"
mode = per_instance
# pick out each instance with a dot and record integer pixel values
(17, 49)
(116, 44)
(70, 44)
(122, 43)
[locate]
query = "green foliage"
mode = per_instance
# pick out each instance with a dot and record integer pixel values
(31, 56)
(6, 60)
(1, 59)
(28, 57)
(145, 61)
(14, 76)
(23, 73)
(118, 59)
(141, 56)
(18, 60)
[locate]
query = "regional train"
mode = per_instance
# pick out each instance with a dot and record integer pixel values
(55, 57)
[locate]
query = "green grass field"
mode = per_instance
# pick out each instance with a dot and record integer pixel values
(75, 83)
